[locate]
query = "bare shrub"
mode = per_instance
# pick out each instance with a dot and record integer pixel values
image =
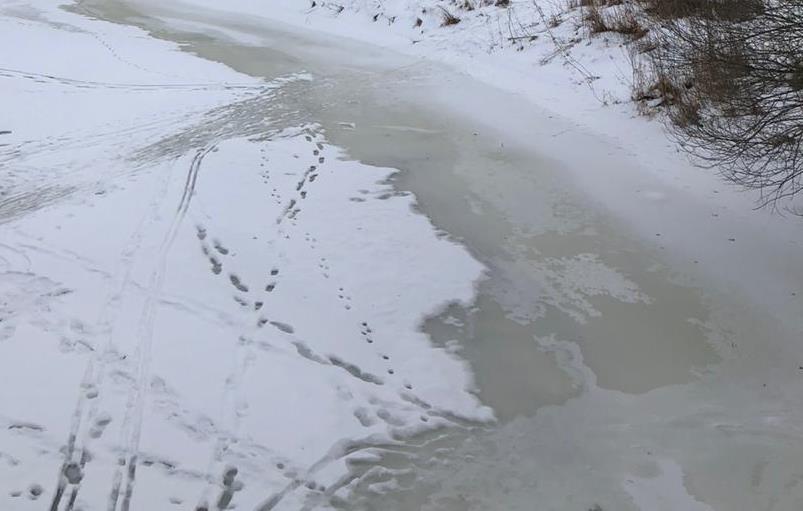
(736, 91)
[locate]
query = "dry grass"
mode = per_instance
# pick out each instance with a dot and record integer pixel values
(447, 18)
(621, 19)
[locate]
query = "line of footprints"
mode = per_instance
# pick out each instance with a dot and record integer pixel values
(217, 250)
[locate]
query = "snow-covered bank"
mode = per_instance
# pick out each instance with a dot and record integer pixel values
(211, 310)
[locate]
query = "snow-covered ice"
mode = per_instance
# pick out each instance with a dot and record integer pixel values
(201, 300)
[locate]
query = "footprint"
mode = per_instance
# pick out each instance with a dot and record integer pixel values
(200, 232)
(355, 371)
(284, 327)
(35, 491)
(220, 248)
(99, 426)
(91, 392)
(230, 486)
(366, 332)
(344, 298)
(364, 417)
(388, 418)
(73, 473)
(217, 266)
(236, 282)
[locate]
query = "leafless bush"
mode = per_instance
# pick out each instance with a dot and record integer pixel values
(736, 90)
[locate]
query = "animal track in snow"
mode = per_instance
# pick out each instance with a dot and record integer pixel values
(217, 266)
(237, 283)
(343, 297)
(219, 247)
(366, 332)
(322, 264)
(284, 327)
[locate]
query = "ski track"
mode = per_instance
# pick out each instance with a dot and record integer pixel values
(132, 423)
(78, 443)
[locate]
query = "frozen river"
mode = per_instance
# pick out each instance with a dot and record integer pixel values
(252, 267)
